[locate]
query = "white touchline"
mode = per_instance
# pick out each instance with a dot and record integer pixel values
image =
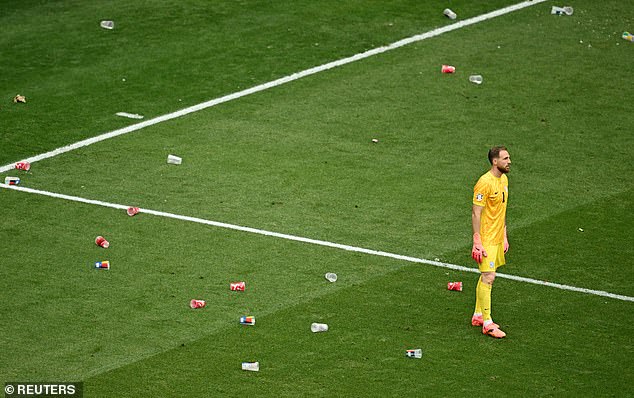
(316, 242)
(275, 83)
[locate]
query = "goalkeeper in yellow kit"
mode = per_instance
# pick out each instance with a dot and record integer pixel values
(488, 217)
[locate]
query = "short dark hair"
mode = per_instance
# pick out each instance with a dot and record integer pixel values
(494, 152)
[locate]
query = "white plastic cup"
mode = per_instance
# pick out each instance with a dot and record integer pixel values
(417, 353)
(107, 24)
(172, 159)
(449, 14)
(331, 276)
(477, 79)
(561, 10)
(318, 327)
(251, 366)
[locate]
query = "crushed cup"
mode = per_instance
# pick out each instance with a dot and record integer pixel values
(457, 286)
(448, 69)
(107, 24)
(477, 79)
(197, 303)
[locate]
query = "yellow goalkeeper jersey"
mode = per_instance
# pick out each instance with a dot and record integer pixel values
(492, 193)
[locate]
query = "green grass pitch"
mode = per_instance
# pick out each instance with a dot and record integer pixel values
(298, 159)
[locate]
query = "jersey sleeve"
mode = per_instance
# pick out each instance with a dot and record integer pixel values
(480, 192)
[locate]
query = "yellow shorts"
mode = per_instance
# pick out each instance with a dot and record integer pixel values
(494, 259)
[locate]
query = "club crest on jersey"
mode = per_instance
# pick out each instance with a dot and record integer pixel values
(479, 197)
(491, 264)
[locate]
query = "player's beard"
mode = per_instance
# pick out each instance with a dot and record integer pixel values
(504, 170)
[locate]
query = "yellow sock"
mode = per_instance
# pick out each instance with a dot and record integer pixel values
(478, 306)
(484, 297)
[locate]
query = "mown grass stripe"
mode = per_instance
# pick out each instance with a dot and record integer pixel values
(296, 238)
(274, 83)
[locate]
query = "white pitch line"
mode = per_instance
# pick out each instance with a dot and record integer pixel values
(277, 82)
(317, 242)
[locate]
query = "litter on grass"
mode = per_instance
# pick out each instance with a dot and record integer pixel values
(331, 276)
(318, 327)
(247, 320)
(448, 69)
(457, 286)
(237, 286)
(129, 115)
(251, 366)
(26, 166)
(107, 24)
(11, 180)
(132, 211)
(449, 14)
(477, 79)
(102, 242)
(19, 98)
(562, 10)
(197, 303)
(102, 265)
(416, 353)
(628, 36)
(173, 159)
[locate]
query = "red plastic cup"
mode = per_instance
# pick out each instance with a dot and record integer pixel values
(197, 303)
(237, 286)
(101, 241)
(448, 69)
(457, 286)
(26, 166)
(132, 211)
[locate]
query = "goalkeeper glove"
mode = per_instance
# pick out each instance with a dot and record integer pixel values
(477, 252)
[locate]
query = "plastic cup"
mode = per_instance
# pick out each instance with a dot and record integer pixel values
(173, 159)
(457, 286)
(331, 276)
(26, 166)
(477, 79)
(197, 303)
(318, 327)
(107, 24)
(12, 180)
(449, 14)
(416, 353)
(132, 211)
(251, 366)
(101, 241)
(237, 286)
(561, 10)
(448, 69)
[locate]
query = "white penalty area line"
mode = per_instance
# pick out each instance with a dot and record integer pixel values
(317, 242)
(278, 82)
